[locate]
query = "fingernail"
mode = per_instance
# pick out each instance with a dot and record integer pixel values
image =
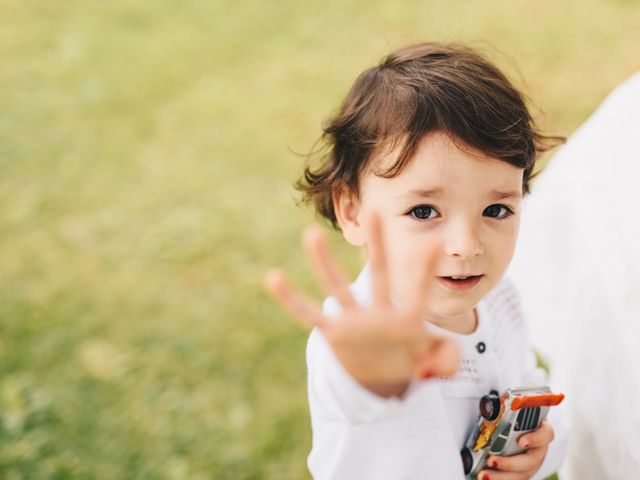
(525, 444)
(486, 477)
(425, 374)
(493, 463)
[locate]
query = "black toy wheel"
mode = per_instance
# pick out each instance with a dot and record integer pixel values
(490, 406)
(467, 460)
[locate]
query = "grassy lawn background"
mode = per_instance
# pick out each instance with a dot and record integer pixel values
(145, 186)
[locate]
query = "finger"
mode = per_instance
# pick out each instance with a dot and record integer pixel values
(330, 275)
(523, 462)
(426, 278)
(544, 435)
(303, 309)
(498, 475)
(378, 260)
(441, 359)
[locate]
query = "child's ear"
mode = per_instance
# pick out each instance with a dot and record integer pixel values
(347, 209)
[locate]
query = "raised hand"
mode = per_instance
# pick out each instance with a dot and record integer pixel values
(382, 345)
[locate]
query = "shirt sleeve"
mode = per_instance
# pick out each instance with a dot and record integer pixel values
(333, 393)
(358, 434)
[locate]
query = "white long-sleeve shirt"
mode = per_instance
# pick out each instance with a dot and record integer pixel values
(360, 435)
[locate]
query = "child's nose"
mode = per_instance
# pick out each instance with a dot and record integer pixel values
(463, 241)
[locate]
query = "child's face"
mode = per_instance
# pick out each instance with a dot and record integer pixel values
(469, 205)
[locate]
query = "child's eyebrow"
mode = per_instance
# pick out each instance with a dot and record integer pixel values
(499, 195)
(433, 192)
(436, 192)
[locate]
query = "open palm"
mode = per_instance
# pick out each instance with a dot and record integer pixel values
(382, 345)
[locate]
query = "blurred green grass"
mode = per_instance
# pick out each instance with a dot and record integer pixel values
(145, 186)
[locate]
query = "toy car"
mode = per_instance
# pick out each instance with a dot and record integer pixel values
(503, 419)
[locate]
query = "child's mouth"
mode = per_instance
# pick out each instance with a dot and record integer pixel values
(460, 282)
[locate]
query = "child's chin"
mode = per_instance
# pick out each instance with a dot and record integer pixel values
(454, 308)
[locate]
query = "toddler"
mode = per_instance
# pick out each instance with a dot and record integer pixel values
(427, 162)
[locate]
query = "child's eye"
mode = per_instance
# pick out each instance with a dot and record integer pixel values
(497, 211)
(423, 212)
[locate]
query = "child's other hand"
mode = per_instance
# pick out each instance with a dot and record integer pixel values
(382, 345)
(524, 465)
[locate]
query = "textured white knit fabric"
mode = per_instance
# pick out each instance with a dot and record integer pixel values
(358, 435)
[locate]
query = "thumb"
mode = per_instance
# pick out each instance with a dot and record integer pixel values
(440, 360)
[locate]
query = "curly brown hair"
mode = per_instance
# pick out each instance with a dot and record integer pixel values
(416, 90)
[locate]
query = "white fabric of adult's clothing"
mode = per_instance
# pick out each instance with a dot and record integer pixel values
(577, 268)
(357, 434)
